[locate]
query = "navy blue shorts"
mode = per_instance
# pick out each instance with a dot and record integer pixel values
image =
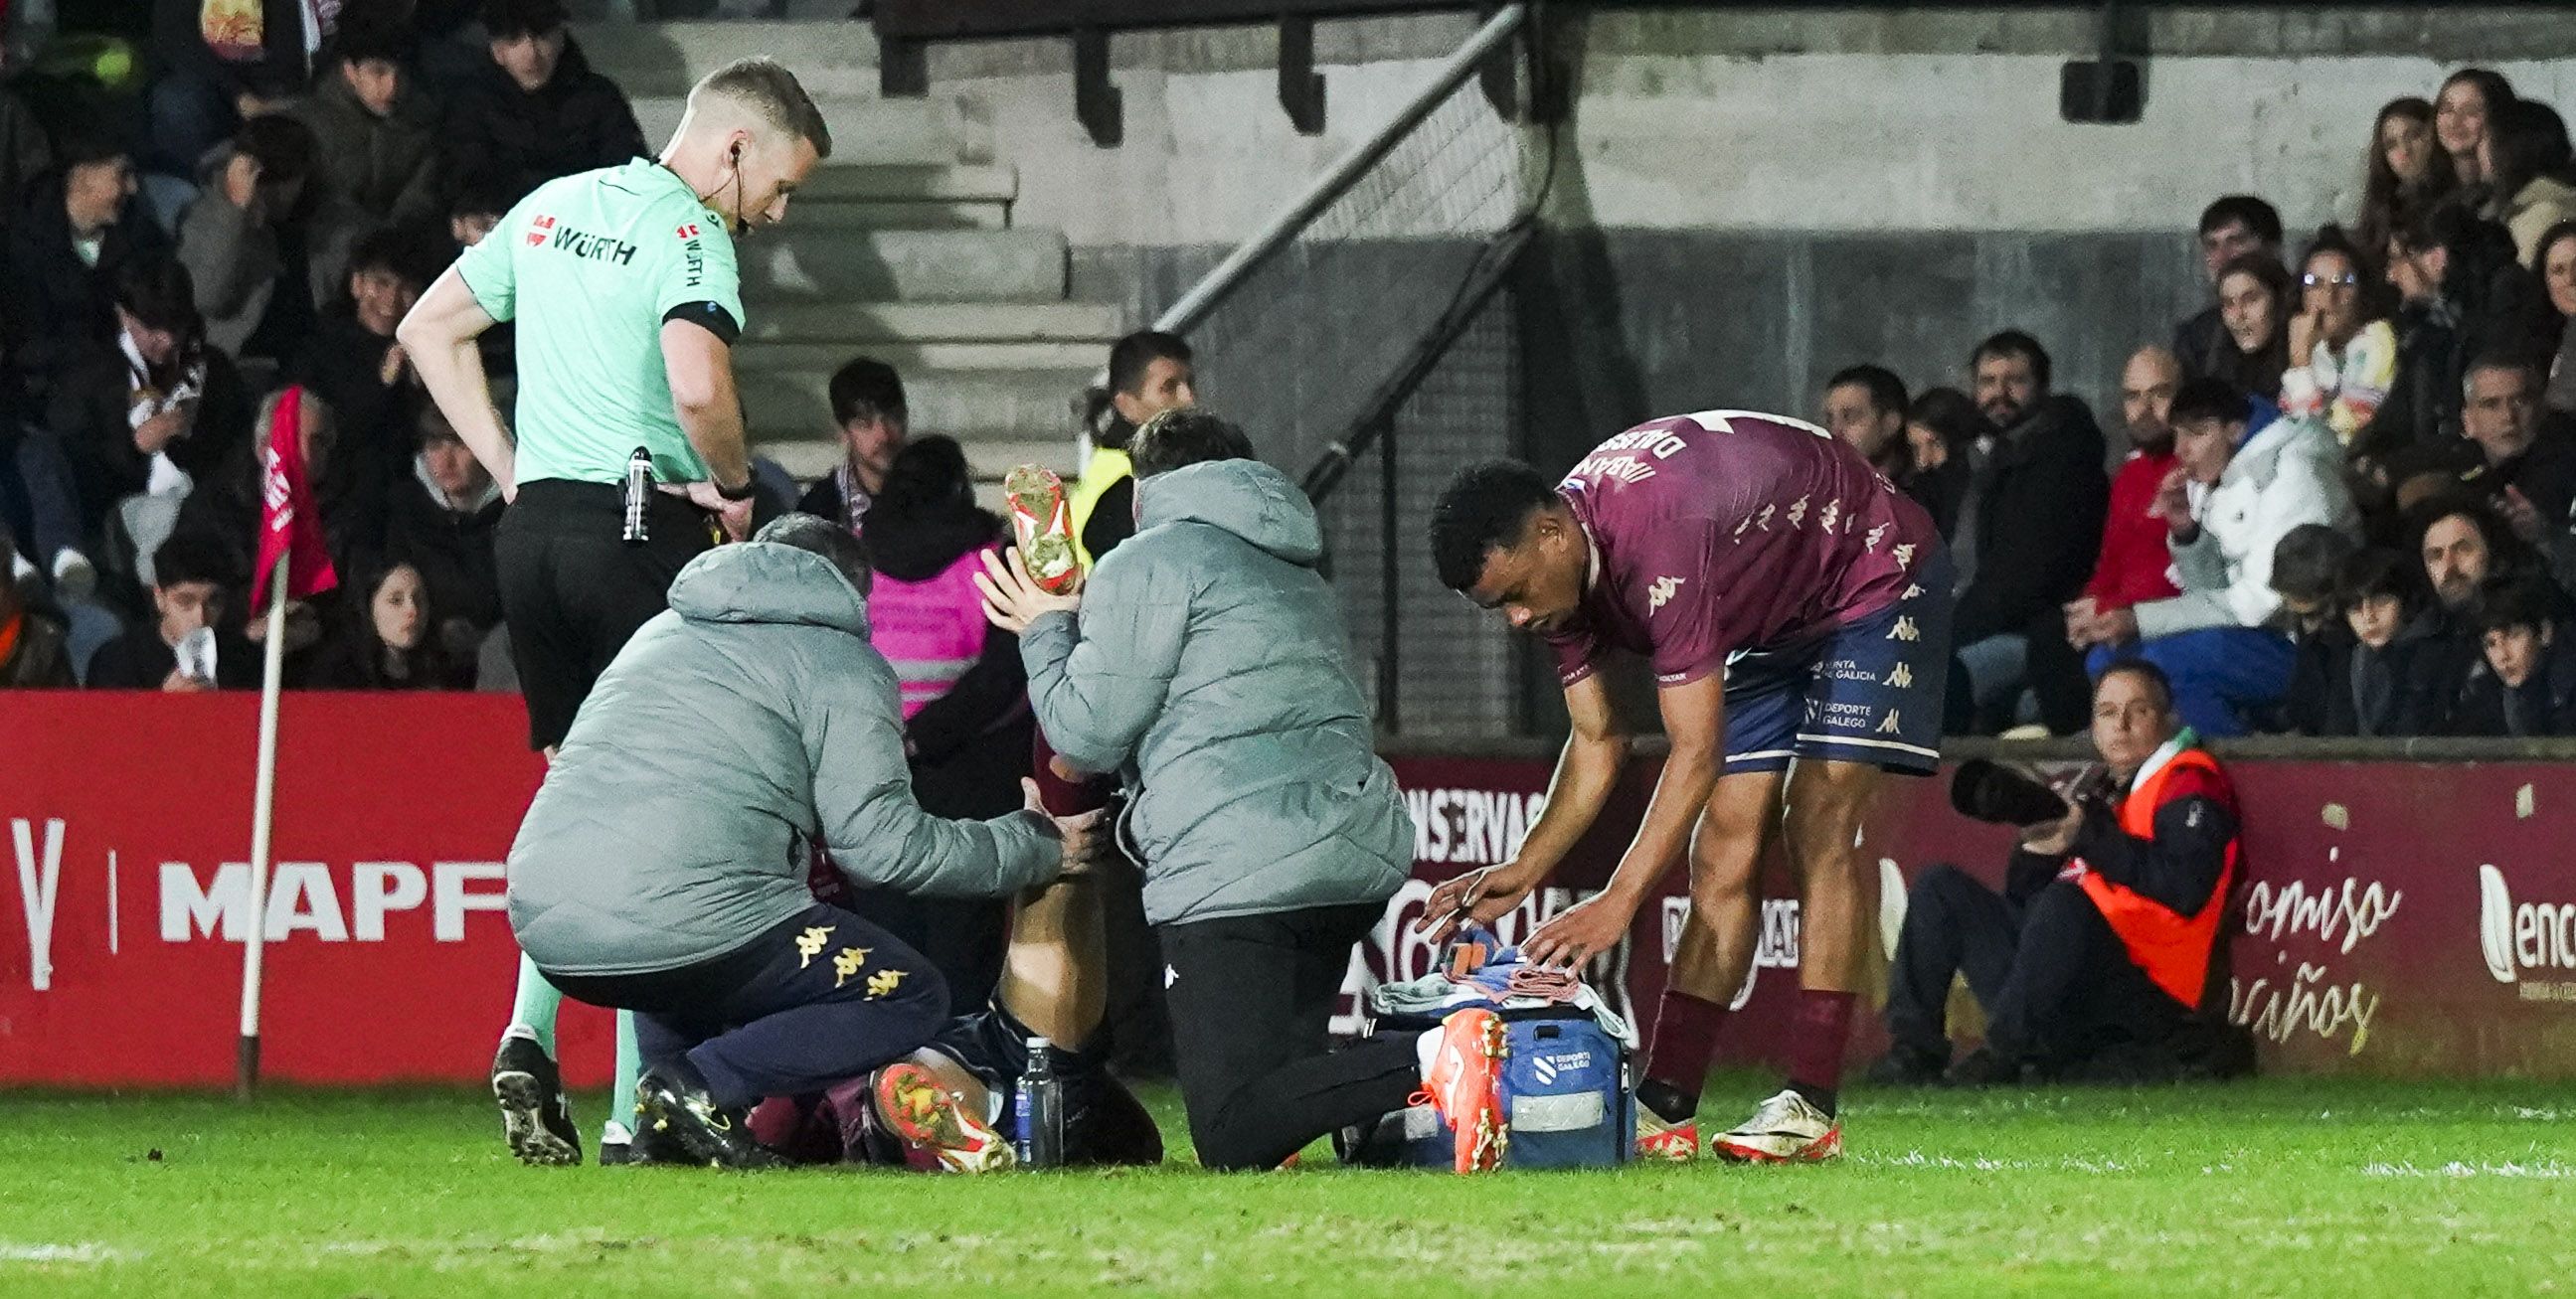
(1868, 691)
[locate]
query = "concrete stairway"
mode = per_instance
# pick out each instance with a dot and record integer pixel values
(901, 248)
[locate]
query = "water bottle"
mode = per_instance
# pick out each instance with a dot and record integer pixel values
(1039, 1107)
(639, 489)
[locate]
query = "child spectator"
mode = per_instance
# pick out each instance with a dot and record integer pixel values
(2525, 687)
(2342, 355)
(387, 640)
(2362, 673)
(191, 590)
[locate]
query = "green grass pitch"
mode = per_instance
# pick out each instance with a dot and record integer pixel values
(2295, 1186)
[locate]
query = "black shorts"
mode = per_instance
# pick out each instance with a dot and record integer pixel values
(573, 592)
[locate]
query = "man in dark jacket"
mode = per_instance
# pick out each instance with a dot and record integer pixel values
(351, 363)
(745, 745)
(440, 522)
(539, 111)
(192, 591)
(1205, 660)
(2518, 458)
(378, 163)
(2061, 960)
(2032, 523)
(157, 400)
(81, 227)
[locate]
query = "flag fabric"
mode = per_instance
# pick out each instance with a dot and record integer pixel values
(289, 524)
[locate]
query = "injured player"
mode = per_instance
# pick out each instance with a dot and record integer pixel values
(948, 1105)
(741, 738)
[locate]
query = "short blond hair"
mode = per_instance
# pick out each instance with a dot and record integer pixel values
(765, 88)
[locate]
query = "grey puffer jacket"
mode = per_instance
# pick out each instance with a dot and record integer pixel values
(1209, 664)
(733, 734)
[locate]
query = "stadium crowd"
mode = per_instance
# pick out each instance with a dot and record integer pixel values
(2345, 503)
(2347, 506)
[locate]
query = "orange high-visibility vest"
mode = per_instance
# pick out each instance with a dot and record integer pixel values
(2171, 947)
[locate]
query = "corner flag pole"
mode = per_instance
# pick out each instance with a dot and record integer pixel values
(263, 805)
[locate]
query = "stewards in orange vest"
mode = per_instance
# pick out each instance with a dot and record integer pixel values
(2098, 955)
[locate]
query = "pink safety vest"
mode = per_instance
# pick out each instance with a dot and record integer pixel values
(931, 630)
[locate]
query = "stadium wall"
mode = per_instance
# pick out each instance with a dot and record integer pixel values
(1745, 201)
(2405, 918)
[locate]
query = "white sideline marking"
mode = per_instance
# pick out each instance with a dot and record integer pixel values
(48, 1252)
(2547, 1169)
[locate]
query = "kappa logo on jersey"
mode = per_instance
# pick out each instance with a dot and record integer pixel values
(1904, 555)
(1901, 677)
(1876, 535)
(1661, 592)
(1904, 630)
(1891, 726)
(538, 230)
(1798, 512)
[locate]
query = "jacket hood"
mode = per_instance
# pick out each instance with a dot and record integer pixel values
(765, 582)
(482, 501)
(1245, 497)
(920, 545)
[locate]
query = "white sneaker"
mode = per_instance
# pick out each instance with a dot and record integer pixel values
(1785, 1130)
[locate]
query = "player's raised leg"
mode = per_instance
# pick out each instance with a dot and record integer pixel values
(1710, 964)
(1826, 802)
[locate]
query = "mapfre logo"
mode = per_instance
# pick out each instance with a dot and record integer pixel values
(2521, 939)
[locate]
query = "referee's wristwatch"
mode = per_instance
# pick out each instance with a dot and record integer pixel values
(750, 488)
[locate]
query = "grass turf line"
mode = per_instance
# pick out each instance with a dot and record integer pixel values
(2307, 1186)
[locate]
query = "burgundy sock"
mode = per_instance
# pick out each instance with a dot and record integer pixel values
(1818, 1035)
(1067, 795)
(1685, 1042)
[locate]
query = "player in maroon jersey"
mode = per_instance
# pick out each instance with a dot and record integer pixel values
(1795, 609)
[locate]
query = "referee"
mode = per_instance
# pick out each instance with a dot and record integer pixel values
(628, 301)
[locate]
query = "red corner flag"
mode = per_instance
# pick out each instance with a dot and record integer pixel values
(288, 522)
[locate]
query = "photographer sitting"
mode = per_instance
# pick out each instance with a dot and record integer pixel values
(2098, 954)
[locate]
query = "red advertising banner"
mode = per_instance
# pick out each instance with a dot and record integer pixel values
(2404, 918)
(2397, 917)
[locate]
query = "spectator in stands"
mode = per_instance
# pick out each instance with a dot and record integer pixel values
(1864, 405)
(1149, 372)
(2465, 549)
(25, 152)
(378, 158)
(33, 655)
(224, 503)
(1940, 427)
(158, 410)
(191, 589)
(387, 640)
(353, 365)
(477, 207)
(2134, 565)
(2406, 172)
(2531, 187)
(79, 229)
(2555, 263)
(967, 727)
(2256, 298)
(2101, 951)
(2238, 225)
(213, 79)
(2363, 673)
(2343, 355)
(2524, 684)
(868, 411)
(2523, 466)
(440, 523)
(2032, 522)
(539, 111)
(247, 241)
(2226, 507)
(2466, 297)
(2306, 565)
(2462, 114)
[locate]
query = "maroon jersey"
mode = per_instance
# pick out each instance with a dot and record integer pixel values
(1730, 530)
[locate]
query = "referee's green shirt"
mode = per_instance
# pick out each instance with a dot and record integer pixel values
(591, 266)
